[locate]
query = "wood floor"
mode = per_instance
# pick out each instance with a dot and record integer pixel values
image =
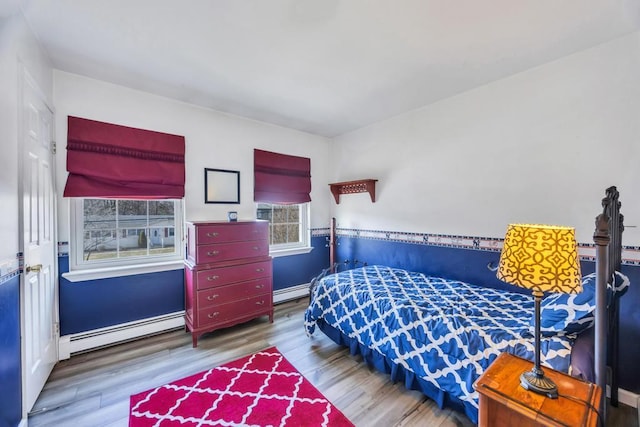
(93, 389)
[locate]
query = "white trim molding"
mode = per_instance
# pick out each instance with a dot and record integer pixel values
(626, 397)
(96, 338)
(290, 293)
(629, 398)
(124, 270)
(290, 251)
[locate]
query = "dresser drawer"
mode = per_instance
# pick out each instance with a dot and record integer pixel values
(206, 254)
(225, 312)
(226, 275)
(229, 293)
(222, 233)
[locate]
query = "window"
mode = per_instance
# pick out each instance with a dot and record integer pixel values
(288, 225)
(108, 232)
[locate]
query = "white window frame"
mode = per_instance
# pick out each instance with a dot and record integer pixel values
(80, 270)
(301, 247)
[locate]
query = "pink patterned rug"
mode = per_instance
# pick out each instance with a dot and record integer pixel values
(262, 389)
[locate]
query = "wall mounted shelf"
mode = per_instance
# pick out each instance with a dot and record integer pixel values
(351, 187)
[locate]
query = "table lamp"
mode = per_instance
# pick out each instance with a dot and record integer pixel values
(543, 258)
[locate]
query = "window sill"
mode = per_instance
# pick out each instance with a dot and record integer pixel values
(290, 251)
(125, 270)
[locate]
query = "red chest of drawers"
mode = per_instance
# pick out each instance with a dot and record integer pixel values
(228, 275)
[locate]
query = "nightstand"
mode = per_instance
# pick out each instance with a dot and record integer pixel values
(503, 402)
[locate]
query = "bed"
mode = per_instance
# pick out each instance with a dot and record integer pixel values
(438, 335)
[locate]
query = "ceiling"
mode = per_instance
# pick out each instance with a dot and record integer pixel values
(321, 66)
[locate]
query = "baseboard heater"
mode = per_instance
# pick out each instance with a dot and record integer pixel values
(629, 398)
(290, 293)
(97, 338)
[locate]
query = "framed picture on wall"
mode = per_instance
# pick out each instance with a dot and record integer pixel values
(221, 186)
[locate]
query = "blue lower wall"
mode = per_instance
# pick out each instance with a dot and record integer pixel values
(470, 265)
(461, 264)
(630, 332)
(10, 373)
(94, 304)
(299, 269)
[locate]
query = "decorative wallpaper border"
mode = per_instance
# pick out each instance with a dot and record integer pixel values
(63, 249)
(445, 240)
(587, 251)
(10, 268)
(320, 232)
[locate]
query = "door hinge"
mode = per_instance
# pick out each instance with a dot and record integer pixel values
(53, 147)
(56, 328)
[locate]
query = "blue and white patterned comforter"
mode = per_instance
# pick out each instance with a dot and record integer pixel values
(444, 331)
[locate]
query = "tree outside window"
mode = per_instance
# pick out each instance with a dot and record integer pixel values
(287, 224)
(118, 229)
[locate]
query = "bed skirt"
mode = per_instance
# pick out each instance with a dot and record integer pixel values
(398, 373)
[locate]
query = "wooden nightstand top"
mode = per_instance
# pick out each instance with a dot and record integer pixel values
(501, 384)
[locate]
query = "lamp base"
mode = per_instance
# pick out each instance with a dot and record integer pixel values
(538, 383)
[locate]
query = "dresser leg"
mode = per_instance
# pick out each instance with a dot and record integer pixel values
(194, 339)
(271, 317)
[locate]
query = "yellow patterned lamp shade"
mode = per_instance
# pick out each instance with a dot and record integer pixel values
(543, 258)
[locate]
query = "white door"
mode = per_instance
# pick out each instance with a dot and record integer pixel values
(39, 294)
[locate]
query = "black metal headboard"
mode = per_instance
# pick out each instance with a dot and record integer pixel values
(608, 240)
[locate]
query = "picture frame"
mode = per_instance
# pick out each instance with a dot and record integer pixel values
(221, 186)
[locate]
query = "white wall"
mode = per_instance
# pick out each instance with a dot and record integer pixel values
(213, 140)
(540, 146)
(18, 48)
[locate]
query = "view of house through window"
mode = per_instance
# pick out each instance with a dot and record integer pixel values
(287, 223)
(115, 229)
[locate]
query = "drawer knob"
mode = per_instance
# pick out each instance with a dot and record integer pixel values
(212, 278)
(261, 302)
(214, 234)
(212, 315)
(255, 248)
(259, 270)
(212, 297)
(213, 253)
(259, 286)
